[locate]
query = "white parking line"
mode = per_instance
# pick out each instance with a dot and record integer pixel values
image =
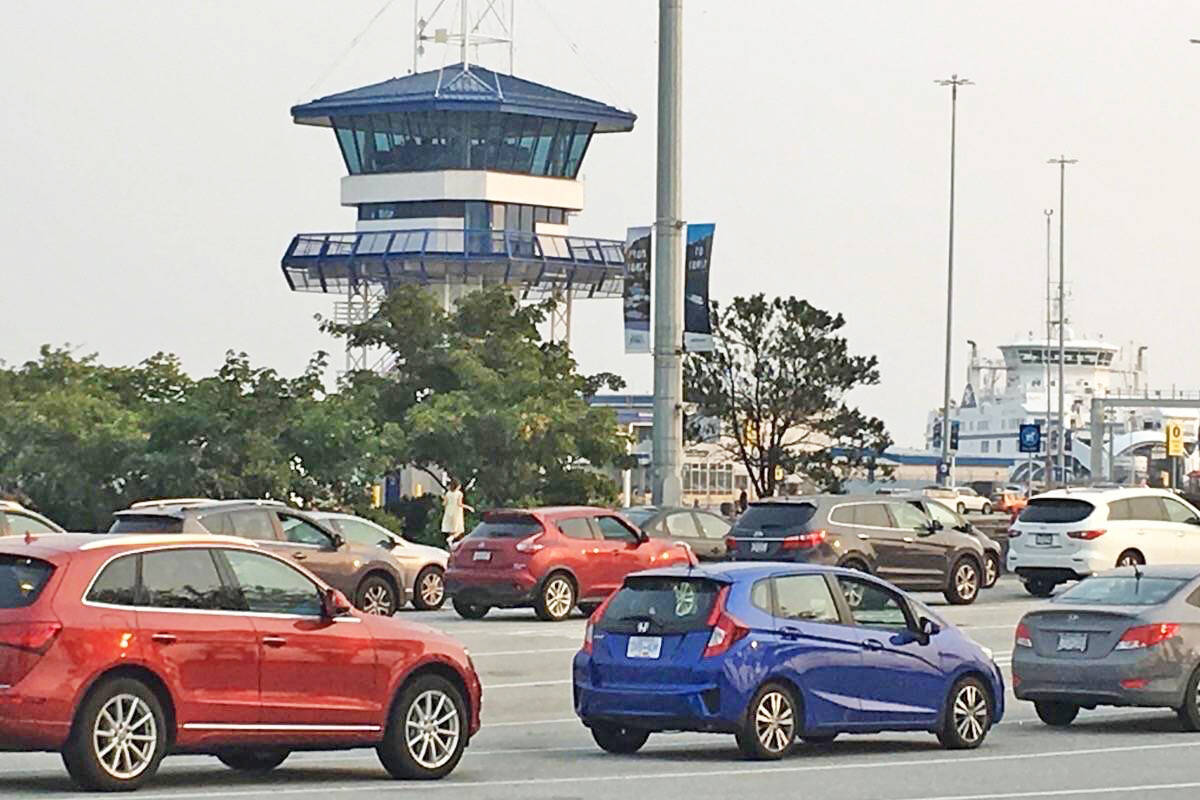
(953, 760)
(524, 652)
(1153, 787)
(493, 686)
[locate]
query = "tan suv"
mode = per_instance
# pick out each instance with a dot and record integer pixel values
(365, 573)
(17, 520)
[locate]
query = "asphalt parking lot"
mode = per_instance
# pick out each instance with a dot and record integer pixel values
(531, 746)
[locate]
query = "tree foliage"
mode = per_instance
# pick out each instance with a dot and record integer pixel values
(778, 380)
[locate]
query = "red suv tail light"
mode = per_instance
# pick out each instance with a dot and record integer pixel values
(803, 541)
(35, 637)
(591, 623)
(1085, 535)
(726, 629)
(530, 544)
(1023, 638)
(1147, 635)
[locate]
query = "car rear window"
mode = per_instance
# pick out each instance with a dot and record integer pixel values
(146, 523)
(22, 580)
(1121, 591)
(774, 516)
(661, 605)
(638, 516)
(506, 527)
(1056, 509)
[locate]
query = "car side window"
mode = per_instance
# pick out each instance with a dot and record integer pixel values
(872, 515)
(907, 517)
(1118, 511)
(220, 524)
(116, 584)
(300, 531)
(681, 524)
(760, 596)
(253, 524)
(1177, 511)
(360, 532)
(805, 597)
(944, 515)
(712, 527)
(1147, 508)
(181, 579)
(20, 524)
(872, 606)
(269, 586)
(613, 530)
(576, 528)
(843, 515)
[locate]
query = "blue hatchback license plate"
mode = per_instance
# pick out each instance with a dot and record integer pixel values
(644, 647)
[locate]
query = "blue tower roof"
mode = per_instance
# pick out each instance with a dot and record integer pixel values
(459, 88)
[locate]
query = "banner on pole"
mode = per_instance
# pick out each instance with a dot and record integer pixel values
(697, 325)
(637, 290)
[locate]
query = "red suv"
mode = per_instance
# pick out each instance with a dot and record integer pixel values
(118, 650)
(551, 559)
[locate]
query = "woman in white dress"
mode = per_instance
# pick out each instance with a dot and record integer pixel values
(452, 515)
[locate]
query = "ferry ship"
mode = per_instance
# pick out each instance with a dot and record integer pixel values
(1022, 387)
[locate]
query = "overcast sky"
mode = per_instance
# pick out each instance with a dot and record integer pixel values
(151, 177)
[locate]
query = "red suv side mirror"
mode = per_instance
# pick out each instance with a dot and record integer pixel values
(334, 604)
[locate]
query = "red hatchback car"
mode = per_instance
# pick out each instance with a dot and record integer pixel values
(117, 650)
(550, 558)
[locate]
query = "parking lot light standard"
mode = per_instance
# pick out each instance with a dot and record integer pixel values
(1062, 162)
(953, 82)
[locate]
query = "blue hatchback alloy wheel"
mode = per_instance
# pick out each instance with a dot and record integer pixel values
(769, 730)
(968, 716)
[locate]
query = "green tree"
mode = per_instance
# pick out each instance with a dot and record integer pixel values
(476, 393)
(777, 381)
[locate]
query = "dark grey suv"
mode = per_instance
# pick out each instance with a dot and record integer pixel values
(887, 537)
(364, 573)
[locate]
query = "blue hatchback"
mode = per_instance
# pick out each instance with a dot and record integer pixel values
(774, 652)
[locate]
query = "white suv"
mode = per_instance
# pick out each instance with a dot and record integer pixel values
(1069, 534)
(962, 499)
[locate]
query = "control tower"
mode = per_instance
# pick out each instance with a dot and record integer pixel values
(462, 177)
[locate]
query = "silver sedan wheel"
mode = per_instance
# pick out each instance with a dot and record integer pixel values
(970, 713)
(558, 597)
(125, 737)
(990, 571)
(377, 599)
(966, 581)
(432, 589)
(774, 722)
(431, 729)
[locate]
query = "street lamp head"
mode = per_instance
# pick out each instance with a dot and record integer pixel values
(1062, 160)
(1049, 212)
(954, 80)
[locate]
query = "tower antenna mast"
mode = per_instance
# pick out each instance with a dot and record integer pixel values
(465, 24)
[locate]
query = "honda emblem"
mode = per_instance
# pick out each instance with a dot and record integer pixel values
(642, 627)
(758, 534)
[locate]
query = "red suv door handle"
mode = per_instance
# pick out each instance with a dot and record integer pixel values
(274, 641)
(163, 638)
(299, 556)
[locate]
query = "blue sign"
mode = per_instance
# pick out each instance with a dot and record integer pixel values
(1031, 438)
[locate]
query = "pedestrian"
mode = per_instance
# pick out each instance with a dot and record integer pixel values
(743, 502)
(452, 515)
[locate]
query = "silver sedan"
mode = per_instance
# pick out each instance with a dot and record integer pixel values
(423, 567)
(1125, 637)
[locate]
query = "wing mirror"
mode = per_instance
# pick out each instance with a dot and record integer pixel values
(933, 527)
(929, 627)
(643, 537)
(334, 604)
(1194, 521)
(338, 541)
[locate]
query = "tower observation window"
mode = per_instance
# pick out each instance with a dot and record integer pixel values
(478, 215)
(421, 141)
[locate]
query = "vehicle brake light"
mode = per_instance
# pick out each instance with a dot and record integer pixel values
(36, 637)
(530, 544)
(1085, 535)
(730, 543)
(1135, 683)
(803, 541)
(1023, 638)
(1147, 635)
(726, 629)
(1014, 533)
(591, 623)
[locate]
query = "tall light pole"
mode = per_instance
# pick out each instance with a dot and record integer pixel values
(1062, 162)
(953, 82)
(1048, 471)
(668, 274)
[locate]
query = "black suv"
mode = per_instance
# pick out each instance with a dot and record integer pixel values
(365, 573)
(888, 537)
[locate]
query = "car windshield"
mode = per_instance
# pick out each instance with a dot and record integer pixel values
(1056, 509)
(657, 605)
(773, 516)
(513, 527)
(21, 580)
(638, 516)
(1121, 590)
(146, 523)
